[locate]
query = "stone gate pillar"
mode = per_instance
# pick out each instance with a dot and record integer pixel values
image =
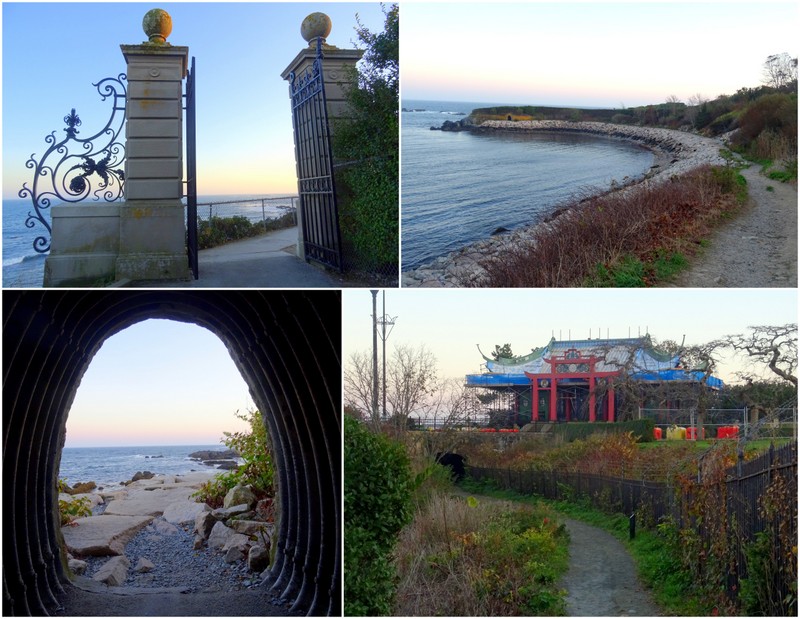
(337, 71)
(152, 230)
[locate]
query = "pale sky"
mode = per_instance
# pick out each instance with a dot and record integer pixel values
(450, 323)
(158, 382)
(54, 52)
(594, 54)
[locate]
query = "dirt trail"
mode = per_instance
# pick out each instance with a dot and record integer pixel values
(758, 248)
(602, 579)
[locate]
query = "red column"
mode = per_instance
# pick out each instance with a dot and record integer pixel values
(611, 398)
(553, 399)
(535, 401)
(592, 399)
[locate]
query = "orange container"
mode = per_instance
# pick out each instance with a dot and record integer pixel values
(691, 434)
(657, 434)
(728, 432)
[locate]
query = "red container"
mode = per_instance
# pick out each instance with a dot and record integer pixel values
(728, 432)
(509, 430)
(657, 434)
(488, 430)
(691, 434)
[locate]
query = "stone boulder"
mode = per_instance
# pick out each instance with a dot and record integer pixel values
(142, 475)
(239, 495)
(183, 512)
(203, 524)
(222, 513)
(113, 572)
(234, 554)
(77, 566)
(81, 488)
(163, 527)
(223, 454)
(258, 558)
(102, 535)
(144, 565)
(251, 527)
(219, 535)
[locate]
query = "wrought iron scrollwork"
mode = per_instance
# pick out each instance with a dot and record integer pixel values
(309, 83)
(70, 179)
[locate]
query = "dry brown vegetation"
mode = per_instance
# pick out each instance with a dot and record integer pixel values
(590, 244)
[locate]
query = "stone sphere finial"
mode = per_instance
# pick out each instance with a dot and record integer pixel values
(157, 25)
(315, 26)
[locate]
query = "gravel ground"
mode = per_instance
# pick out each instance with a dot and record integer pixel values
(756, 249)
(177, 564)
(602, 580)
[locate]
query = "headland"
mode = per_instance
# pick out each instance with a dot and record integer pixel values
(676, 152)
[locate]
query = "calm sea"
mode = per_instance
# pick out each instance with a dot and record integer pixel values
(108, 466)
(23, 267)
(458, 188)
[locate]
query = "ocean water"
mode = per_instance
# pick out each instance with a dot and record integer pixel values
(23, 267)
(109, 466)
(458, 188)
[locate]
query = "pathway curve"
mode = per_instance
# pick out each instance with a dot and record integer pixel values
(602, 580)
(756, 249)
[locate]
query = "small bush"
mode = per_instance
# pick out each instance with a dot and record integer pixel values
(257, 470)
(72, 509)
(220, 230)
(377, 504)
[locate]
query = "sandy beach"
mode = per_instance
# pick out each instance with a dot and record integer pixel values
(676, 152)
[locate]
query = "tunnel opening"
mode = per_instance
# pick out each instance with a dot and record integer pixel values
(286, 347)
(153, 423)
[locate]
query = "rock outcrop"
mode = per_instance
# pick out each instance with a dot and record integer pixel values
(113, 572)
(102, 535)
(239, 495)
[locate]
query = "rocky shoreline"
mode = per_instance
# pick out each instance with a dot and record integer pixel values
(153, 534)
(676, 152)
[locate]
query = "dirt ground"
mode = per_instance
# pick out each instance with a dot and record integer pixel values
(756, 249)
(602, 580)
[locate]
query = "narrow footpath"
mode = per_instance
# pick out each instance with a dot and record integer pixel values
(602, 580)
(756, 249)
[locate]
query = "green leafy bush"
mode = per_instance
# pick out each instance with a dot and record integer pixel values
(220, 230)
(75, 508)
(377, 505)
(257, 469)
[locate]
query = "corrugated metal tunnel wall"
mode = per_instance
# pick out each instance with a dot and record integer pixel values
(286, 346)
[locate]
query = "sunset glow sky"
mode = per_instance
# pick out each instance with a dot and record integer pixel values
(54, 52)
(159, 382)
(594, 54)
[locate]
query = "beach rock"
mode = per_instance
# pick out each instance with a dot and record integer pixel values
(141, 502)
(236, 510)
(102, 535)
(77, 566)
(142, 475)
(144, 565)
(224, 465)
(198, 542)
(113, 572)
(224, 454)
(81, 487)
(163, 527)
(183, 512)
(251, 527)
(233, 555)
(258, 558)
(219, 535)
(203, 523)
(239, 495)
(237, 540)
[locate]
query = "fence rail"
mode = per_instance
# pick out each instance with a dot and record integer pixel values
(254, 209)
(742, 495)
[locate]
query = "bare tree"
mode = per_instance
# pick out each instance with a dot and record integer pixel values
(779, 70)
(772, 346)
(359, 384)
(411, 376)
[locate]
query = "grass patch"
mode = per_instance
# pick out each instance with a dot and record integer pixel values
(621, 239)
(657, 554)
(467, 557)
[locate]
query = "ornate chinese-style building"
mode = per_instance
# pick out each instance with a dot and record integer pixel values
(574, 380)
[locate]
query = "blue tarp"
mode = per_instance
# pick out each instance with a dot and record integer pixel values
(506, 380)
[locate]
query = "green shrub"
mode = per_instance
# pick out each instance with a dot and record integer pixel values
(220, 230)
(377, 505)
(642, 429)
(75, 508)
(257, 469)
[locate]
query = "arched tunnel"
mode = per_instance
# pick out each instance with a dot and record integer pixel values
(286, 344)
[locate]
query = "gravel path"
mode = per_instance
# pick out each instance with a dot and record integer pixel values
(602, 579)
(756, 249)
(184, 582)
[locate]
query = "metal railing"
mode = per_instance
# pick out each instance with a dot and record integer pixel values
(254, 209)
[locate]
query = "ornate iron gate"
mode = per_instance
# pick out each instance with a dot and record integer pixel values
(191, 174)
(69, 178)
(320, 216)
